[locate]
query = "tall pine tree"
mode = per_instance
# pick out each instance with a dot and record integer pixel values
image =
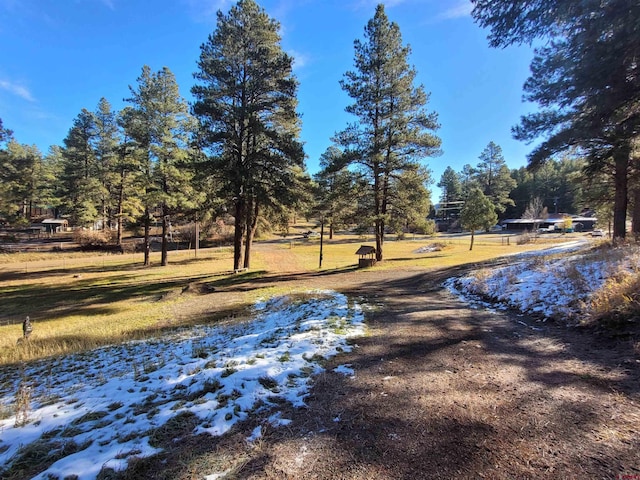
(80, 172)
(394, 132)
(246, 103)
(494, 178)
(160, 126)
(585, 77)
(450, 186)
(22, 182)
(127, 184)
(105, 145)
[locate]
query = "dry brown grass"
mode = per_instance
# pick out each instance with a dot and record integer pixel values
(92, 237)
(618, 300)
(80, 301)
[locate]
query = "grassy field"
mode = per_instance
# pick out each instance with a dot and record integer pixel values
(80, 301)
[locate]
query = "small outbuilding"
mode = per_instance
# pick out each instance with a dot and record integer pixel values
(367, 255)
(55, 225)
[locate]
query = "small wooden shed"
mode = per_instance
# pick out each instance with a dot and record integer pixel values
(55, 225)
(367, 255)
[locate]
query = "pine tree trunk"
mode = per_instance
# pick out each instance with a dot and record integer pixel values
(238, 233)
(379, 223)
(165, 234)
(119, 235)
(147, 239)
(620, 204)
(331, 231)
(379, 238)
(197, 236)
(472, 237)
(252, 225)
(104, 215)
(248, 234)
(635, 216)
(120, 206)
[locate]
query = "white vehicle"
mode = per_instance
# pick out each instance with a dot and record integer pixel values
(549, 229)
(597, 232)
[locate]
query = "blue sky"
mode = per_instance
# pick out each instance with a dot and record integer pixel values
(60, 56)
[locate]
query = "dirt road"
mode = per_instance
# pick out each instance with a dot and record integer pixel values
(445, 390)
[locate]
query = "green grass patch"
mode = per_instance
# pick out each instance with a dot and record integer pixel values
(285, 357)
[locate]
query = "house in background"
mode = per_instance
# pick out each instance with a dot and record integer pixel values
(554, 220)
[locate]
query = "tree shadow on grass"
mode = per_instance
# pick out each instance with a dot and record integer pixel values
(85, 341)
(253, 280)
(51, 302)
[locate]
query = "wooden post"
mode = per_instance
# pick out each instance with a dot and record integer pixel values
(321, 238)
(197, 234)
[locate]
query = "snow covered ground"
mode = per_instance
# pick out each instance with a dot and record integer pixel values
(557, 282)
(100, 409)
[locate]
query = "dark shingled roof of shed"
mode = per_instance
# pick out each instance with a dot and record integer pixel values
(366, 250)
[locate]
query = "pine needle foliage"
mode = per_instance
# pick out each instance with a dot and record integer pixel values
(246, 104)
(393, 132)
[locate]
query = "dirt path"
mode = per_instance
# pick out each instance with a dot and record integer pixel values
(444, 390)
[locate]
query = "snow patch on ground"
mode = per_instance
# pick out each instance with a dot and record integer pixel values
(345, 370)
(103, 406)
(554, 283)
(433, 247)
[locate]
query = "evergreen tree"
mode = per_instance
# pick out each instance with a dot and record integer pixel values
(53, 191)
(451, 191)
(558, 183)
(494, 177)
(409, 201)
(450, 186)
(160, 125)
(521, 193)
(394, 131)
(80, 172)
(478, 212)
(336, 196)
(468, 180)
(127, 182)
(599, 194)
(292, 199)
(246, 103)
(105, 145)
(585, 77)
(5, 133)
(22, 180)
